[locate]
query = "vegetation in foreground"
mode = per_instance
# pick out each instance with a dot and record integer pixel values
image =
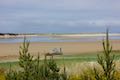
(34, 69)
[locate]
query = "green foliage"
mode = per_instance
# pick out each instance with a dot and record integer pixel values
(53, 75)
(26, 61)
(106, 61)
(12, 75)
(32, 69)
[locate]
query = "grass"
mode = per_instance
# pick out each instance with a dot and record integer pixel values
(68, 59)
(7, 65)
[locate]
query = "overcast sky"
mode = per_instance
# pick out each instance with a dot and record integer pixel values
(61, 16)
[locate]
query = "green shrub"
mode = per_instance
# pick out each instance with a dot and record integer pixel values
(106, 62)
(26, 61)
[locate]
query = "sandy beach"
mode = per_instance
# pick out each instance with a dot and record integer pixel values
(11, 50)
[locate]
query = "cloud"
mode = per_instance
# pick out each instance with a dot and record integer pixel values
(16, 15)
(89, 23)
(64, 4)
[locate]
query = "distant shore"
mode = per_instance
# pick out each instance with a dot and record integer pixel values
(9, 51)
(11, 35)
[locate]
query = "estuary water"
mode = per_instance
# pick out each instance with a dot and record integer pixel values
(56, 39)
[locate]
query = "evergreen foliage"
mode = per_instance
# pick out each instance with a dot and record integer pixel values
(106, 61)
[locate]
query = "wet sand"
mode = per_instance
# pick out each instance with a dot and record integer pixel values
(11, 50)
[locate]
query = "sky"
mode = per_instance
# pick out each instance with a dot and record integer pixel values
(59, 16)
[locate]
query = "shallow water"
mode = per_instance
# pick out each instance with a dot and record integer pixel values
(56, 39)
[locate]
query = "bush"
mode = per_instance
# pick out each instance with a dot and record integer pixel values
(106, 62)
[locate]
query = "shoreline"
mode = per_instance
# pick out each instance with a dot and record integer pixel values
(7, 36)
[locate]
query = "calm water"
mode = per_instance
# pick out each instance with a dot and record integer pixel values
(55, 39)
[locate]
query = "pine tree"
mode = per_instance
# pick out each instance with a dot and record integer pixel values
(26, 60)
(106, 61)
